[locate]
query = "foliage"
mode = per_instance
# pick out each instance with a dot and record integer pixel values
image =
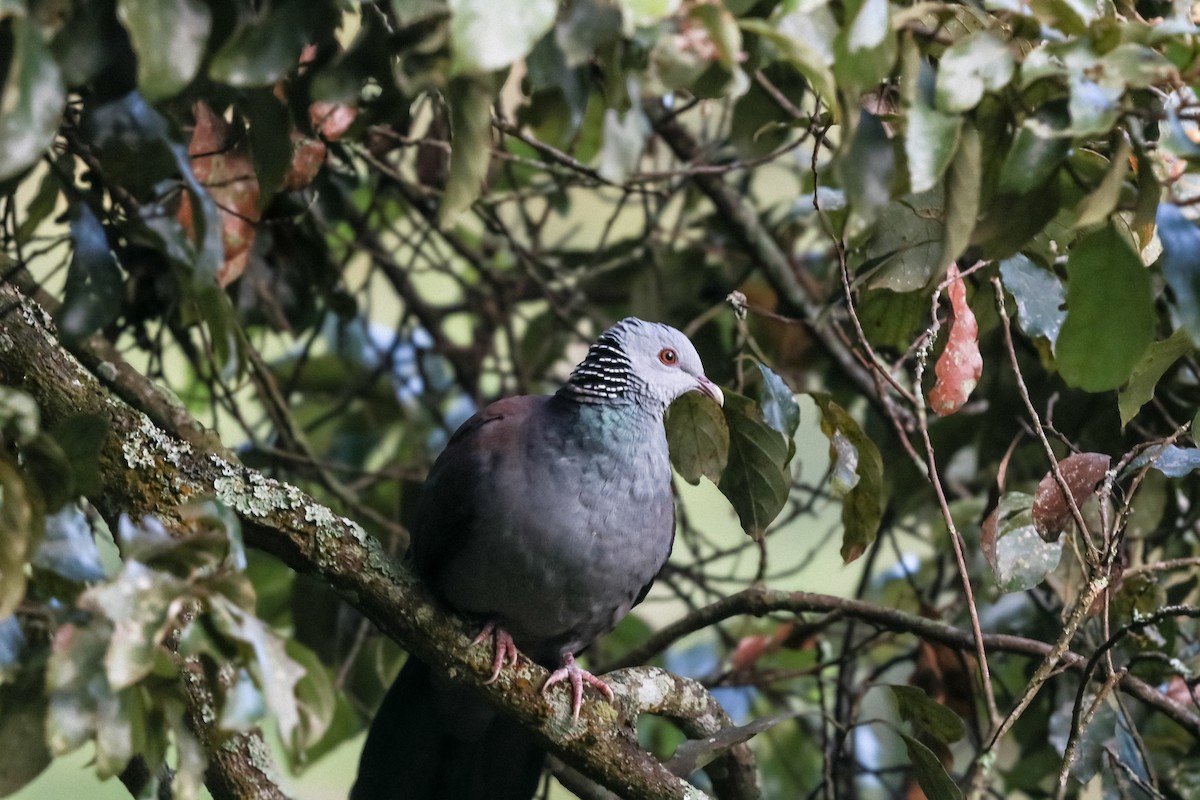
(331, 230)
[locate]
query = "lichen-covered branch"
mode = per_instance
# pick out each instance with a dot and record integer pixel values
(145, 471)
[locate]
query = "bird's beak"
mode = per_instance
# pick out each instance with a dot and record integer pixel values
(705, 386)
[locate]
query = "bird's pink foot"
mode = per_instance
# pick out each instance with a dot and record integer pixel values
(578, 676)
(506, 649)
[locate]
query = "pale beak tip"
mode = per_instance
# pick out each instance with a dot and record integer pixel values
(712, 390)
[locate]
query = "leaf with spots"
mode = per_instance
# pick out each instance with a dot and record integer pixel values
(1080, 472)
(1020, 559)
(959, 366)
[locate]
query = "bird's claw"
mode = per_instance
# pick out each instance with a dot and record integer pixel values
(506, 649)
(578, 676)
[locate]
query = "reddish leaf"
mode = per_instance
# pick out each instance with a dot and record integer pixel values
(308, 155)
(749, 649)
(960, 364)
(331, 120)
(1051, 511)
(987, 536)
(227, 171)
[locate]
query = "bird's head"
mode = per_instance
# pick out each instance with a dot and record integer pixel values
(646, 362)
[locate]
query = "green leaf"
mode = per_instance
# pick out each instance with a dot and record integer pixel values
(964, 180)
(470, 102)
(22, 528)
(410, 11)
(1137, 66)
(83, 45)
(893, 319)
(971, 66)
(907, 242)
(31, 98)
(1036, 152)
(778, 403)
(926, 715)
(1157, 360)
(722, 30)
(1181, 266)
(857, 477)
(1110, 313)
(929, 144)
(1039, 294)
(584, 27)
(866, 172)
(1102, 201)
(1020, 558)
(1094, 107)
(759, 125)
(489, 36)
(756, 478)
(647, 12)
(137, 150)
(698, 438)
(270, 133)
(94, 292)
(169, 38)
(931, 775)
(865, 50)
(1023, 558)
(316, 700)
(267, 45)
(804, 38)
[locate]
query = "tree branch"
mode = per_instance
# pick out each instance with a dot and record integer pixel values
(145, 471)
(758, 601)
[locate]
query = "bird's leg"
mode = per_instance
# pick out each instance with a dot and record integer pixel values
(578, 676)
(506, 649)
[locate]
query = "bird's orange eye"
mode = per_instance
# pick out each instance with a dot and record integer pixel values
(668, 357)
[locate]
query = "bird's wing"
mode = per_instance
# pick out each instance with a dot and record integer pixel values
(446, 513)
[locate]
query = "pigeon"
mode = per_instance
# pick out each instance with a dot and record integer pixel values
(546, 518)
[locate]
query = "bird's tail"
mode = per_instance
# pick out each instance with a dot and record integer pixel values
(432, 740)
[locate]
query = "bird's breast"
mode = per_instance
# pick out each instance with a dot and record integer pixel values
(565, 545)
